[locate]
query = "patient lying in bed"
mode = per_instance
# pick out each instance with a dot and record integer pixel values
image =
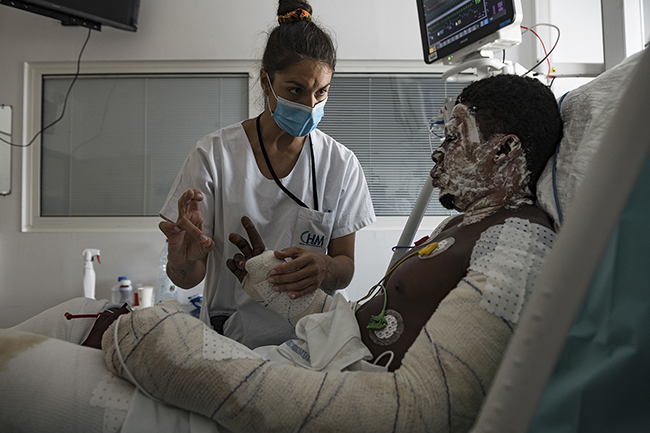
(450, 306)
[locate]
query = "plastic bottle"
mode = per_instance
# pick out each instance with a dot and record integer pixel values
(166, 288)
(135, 304)
(115, 291)
(126, 292)
(89, 273)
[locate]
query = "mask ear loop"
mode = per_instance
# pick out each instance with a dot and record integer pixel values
(268, 79)
(128, 373)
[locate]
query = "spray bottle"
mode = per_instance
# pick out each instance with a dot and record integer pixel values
(89, 273)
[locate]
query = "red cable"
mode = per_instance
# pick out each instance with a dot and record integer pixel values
(543, 46)
(81, 316)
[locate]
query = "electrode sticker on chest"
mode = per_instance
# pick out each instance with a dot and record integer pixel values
(392, 332)
(441, 247)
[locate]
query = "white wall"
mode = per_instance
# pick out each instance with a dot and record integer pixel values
(39, 270)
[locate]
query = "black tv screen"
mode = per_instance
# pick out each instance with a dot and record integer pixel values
(120, 14)
(448, 27)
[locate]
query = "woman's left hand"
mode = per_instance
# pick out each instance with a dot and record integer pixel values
(303, 274)
(308, 270)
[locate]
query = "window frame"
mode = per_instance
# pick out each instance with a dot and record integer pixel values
(31, 221)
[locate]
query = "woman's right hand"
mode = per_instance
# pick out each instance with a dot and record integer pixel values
(187, 240)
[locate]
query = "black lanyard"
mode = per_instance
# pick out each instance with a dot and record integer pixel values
(275, 177)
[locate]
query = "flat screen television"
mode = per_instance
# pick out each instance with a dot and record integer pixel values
(452, 30)
(120, 14)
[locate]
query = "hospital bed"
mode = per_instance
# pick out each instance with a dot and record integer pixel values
(578, 359)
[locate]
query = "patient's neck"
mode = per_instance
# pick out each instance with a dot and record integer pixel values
(509, 190)
(485, 208)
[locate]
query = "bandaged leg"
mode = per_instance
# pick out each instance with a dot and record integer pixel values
(50, 385)
(439, 387)
(256, 285)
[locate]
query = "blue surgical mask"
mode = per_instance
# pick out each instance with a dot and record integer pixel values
(296, 119)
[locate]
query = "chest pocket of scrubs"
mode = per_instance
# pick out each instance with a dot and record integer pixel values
(313, 230)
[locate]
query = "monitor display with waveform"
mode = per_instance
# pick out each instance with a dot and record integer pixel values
(448, 25)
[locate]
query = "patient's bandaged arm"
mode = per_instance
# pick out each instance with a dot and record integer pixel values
(256, 286)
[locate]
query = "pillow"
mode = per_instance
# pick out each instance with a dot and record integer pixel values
(586, 113)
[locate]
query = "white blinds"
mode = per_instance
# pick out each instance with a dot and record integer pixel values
(384, 120)
(124, 138)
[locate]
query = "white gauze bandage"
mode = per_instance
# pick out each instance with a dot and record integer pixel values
(257, 287)
(511, 256)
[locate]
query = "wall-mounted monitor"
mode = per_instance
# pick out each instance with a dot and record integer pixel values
(120, 14)
(452, 30)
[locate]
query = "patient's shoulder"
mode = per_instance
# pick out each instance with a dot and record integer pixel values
(534, 215)
(530, 213)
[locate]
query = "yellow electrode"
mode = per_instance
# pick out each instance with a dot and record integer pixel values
(428, 249)
(378, 323)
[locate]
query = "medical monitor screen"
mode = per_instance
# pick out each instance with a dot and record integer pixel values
(448, 26)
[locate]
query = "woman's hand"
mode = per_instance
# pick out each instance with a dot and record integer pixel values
(256, 247)
(303, 274)
(308, 270)
(188, 243)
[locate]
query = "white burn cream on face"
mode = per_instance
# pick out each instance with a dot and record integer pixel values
(477, 176)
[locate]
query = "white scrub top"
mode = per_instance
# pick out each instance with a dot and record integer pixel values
(223, 167)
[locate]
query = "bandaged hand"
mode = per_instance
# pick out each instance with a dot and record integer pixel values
(253, 266)
(257, 286)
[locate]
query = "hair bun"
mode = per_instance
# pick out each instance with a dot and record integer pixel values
(295, 16)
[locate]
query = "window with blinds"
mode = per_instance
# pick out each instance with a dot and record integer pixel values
(123, 138)
(383, 119)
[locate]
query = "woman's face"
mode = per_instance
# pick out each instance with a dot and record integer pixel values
(306, 83)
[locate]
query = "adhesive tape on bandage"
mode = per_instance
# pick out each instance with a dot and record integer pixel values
(280, 301)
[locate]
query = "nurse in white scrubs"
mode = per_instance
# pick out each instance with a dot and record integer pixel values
(305, 192)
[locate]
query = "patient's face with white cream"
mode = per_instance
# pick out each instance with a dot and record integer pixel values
(477, 175)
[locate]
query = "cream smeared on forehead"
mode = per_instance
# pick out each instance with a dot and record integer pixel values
(467, 170)
(465, 118)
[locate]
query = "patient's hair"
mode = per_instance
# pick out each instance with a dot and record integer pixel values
(510, 104)
(296, 40)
